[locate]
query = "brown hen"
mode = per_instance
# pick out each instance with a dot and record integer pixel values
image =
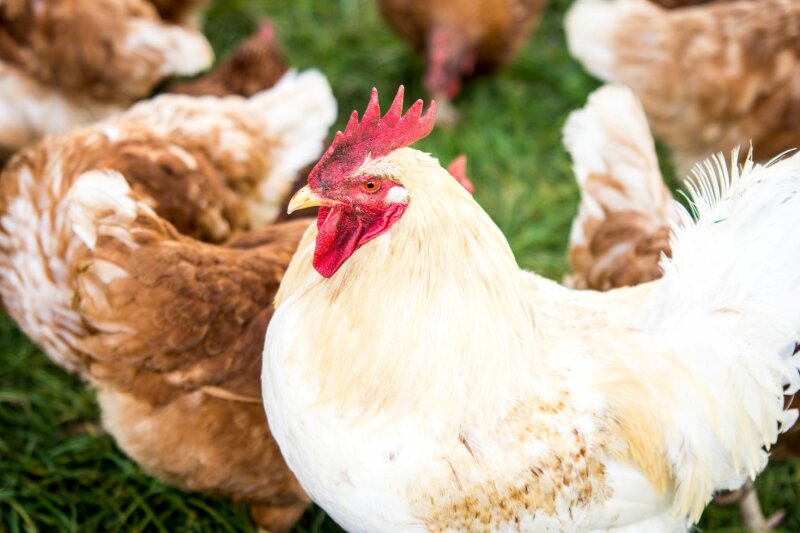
(67, 63)
(711, 77)
(169, 329)
(460, 38)
(173, 335)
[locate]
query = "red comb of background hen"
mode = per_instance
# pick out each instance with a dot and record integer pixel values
(374, 136)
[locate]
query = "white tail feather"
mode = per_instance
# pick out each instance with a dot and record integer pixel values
(729, 307)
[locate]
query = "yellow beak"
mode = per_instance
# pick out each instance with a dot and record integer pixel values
(305, 198)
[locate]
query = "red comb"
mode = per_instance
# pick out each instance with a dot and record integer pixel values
(374, 136)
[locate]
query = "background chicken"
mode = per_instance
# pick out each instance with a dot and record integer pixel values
(460, 38)
(185, 12)
(256, 64)
(563, 427)
(168, 329)
(63, 64)
(211, 166)
(172, 336)
(710, 78)
(623, 223)
(624, 219)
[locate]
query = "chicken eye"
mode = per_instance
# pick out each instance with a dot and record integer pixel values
(371, 186)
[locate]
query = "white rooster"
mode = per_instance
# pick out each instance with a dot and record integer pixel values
(417, 380)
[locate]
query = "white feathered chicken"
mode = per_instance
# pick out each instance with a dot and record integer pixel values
(416, 379)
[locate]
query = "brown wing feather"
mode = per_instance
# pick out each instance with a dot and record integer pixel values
(180, 317)
(175, 334)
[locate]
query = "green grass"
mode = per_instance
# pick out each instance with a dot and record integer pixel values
(58, 472)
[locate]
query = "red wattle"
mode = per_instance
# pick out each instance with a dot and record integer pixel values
(341, 232)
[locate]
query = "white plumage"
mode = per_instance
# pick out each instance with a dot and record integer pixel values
(616, 411)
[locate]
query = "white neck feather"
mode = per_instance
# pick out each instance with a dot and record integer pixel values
(432, 317)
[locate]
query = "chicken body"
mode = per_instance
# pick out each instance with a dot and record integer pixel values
(100, 267)
(710, 78)
(66, 63)
(445, 389)
(460, 38)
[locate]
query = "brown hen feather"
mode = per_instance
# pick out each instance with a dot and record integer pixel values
(174, 332)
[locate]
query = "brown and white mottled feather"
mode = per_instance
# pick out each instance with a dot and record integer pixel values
(623, 223)
(710, 77)
(64, 64)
